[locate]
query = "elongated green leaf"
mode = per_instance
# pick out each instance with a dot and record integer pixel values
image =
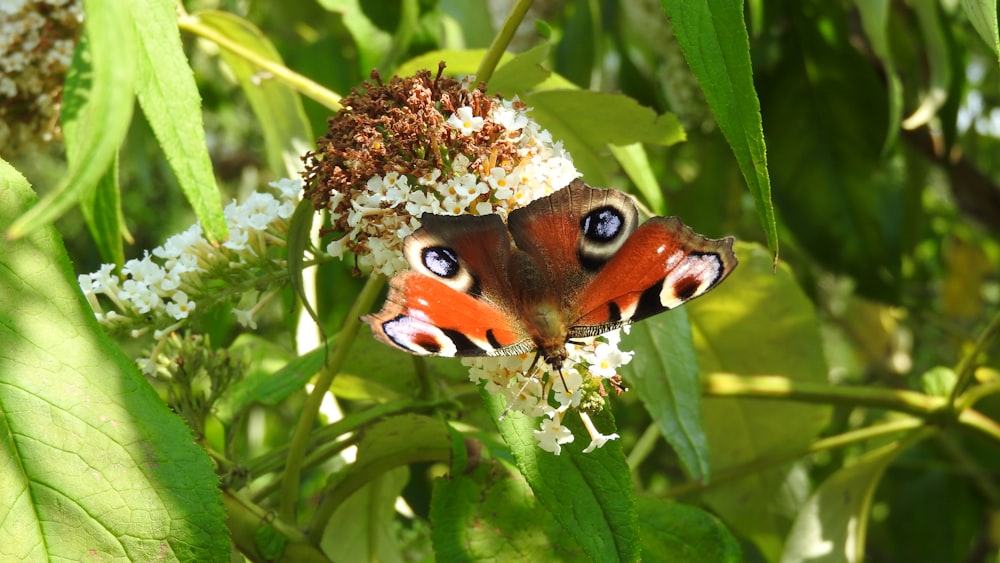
(93, 465)
(831, 525)
(672, 531)
(99, 99)
(588, 494)
(102, 210)
(299, 232)
(664, 374)
(278, 107)
(983, 15)
(875, 21)
(172, 106)
(737, 328)
(714, 40)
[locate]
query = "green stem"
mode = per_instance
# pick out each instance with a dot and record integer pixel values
(501, 41)
(767, 462)
(966, 368)
(305, 86)
(310, 411)
(985, 424)
(777, 387)
(967, 400)
(643, 448)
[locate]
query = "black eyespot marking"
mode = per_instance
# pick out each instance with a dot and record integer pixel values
(602, 224)
(441, 261)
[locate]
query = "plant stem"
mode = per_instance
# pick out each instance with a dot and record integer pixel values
(777, 387)
(767, 462)
(300, 83)
(310, 411)
(501, 41)
(966, 368)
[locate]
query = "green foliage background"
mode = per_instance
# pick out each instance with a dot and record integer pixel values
(834, 400)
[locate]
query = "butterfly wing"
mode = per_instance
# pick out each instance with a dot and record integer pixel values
(572, 233)
(662, 264)
(456, 299)
(425, 316)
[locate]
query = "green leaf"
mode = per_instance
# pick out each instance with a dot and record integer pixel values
(635, 162)
(983, 15)
(361, 528)
(586, 122)
(393, 442)
(458, 62)
(737, 329)
(488, 512)
(522, 72)
(102, 210)
(170, 101)
(714, 40)
(831, 525)
(671, 531)
(874, 16)
(94, 465)
(98, 108)
(588, 494)
(664, 374)
(299, 235)
(277, 106)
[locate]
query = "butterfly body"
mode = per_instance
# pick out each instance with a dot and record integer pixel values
(571, 265)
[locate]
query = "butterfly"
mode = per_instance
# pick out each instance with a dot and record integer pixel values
(571, 265)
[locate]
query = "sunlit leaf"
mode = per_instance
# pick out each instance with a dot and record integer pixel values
(758, 322)
(170, 101)
(664, 375)
(490, 512)
(714, 39)
(671, 531)
(94, 465)
(99, 100)
(832, 524)
(588, 494)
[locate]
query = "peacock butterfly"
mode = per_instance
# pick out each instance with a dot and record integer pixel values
(570, 265)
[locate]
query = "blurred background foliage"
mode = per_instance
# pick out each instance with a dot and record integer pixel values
(883, 149)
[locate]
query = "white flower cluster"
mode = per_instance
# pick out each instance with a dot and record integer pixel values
(162, 289)
(577, 386)
(389, 209)
(36, 49)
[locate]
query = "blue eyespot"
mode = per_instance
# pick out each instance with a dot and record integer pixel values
(441, 261)
(602, 224)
